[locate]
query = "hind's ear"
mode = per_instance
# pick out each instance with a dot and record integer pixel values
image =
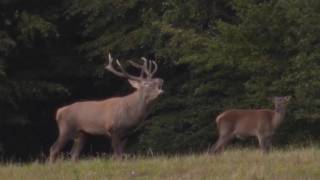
(288, 98)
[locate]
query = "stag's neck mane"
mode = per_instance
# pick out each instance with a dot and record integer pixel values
(136, 104)
(278, 117)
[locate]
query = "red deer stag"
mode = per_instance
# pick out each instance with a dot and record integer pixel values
(243, 123)
(113, 117)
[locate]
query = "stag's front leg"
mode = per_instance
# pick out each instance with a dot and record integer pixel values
(78, 144)
(122, 144)
(116, 146)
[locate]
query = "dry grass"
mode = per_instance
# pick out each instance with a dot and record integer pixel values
(302, 163)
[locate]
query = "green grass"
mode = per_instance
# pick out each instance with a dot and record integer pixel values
(290, 164)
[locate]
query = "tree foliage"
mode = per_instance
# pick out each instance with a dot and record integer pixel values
(213, 55)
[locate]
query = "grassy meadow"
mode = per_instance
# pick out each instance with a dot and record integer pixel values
(235, 163)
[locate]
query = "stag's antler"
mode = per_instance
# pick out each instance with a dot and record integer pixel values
(146, 67)
(123, 73)
(155, 68)
(142, 67)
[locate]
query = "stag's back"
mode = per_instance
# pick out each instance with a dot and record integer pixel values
(93, 117)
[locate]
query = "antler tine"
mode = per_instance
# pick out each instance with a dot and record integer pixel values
(147, 67)
(123, 73)
(111, 69)
(145, 64)
(144, 67)
(110, 59)
(120, 66)
(155, 68)
(137, 66)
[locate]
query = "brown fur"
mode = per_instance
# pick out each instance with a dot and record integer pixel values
(112, 117)
(242, 123)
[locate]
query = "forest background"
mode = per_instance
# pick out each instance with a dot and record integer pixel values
(213, 55)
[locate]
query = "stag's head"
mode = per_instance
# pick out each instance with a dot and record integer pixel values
(149, 87)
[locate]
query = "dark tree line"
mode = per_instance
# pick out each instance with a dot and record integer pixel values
(212, 54)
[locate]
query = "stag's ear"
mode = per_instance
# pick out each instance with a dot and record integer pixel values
(134, 84)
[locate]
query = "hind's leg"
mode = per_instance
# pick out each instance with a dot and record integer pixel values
(222, 142)
(264, 143)
(225, 136)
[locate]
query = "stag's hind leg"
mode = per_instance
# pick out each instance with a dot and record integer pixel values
(57, 147)
(65, 134)
(78, 144)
